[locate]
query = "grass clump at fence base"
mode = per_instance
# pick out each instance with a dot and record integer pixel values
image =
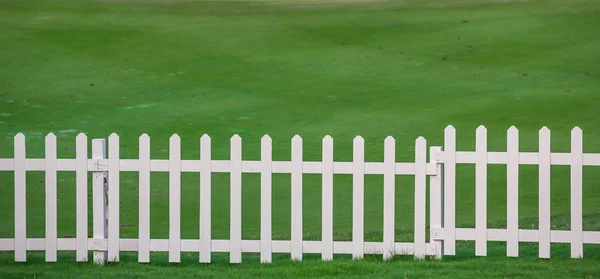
(343, 68)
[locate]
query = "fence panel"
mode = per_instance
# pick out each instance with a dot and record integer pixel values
(107, 244)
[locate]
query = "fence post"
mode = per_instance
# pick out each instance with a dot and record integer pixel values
(99, 190)
(436, 202)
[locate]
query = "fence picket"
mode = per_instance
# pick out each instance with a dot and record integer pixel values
(327, 200)
(436, 209)
(235, 233)
(99, 200)
(512, 193)
(113, 198)
(175, 199)
(296, 176)
(144, 200)
(358, 198)
(20, 167)
(420, 196)
(449, 190)
(265, 200)
(576, 193)
(205, 200)
(51, 198)
(81, 193)
(544, 193)
(481, 192)
(389, 196)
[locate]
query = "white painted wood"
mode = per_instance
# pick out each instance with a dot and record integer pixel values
(389, 196)
(223, 166)
(99, 200)
(481, 192)
(544, 193)
(235, 233)
(358, 198)
(591, 237)
(436, 212)
(81, 193)
(296, 239)
(175, 199)
(144, 200)
(420, 197)
(591, 159)
(51, 198)
(449, 190)
(512, 192)
(113, 198)
(327, 200)
(205, 200)
(20, 199)
(265, 200)
(576, 193)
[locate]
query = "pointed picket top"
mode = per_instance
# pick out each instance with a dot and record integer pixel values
(481, 132)
(545, 130)
(297, 138)
(20, 136)
(576, 138)
(81, 137)
(389, 140)
(265, 146)
(359, 140)
(236, 137)
(144, 137)
(113, 136)
(512, 136)
(450, 128)
(265, 138)
(174, 137)
(50, 136)
(421, 141)
(327, 145)
(205, 137)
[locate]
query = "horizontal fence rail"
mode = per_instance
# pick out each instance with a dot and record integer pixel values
(107, 244)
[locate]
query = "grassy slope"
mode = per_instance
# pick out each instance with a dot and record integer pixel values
(163, 67)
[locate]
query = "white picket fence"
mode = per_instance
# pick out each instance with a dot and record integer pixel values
(441, 170)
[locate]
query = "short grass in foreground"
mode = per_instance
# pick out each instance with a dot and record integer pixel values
(464, 265)
(401, 68)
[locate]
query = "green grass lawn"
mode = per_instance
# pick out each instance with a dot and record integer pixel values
(403, 68)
